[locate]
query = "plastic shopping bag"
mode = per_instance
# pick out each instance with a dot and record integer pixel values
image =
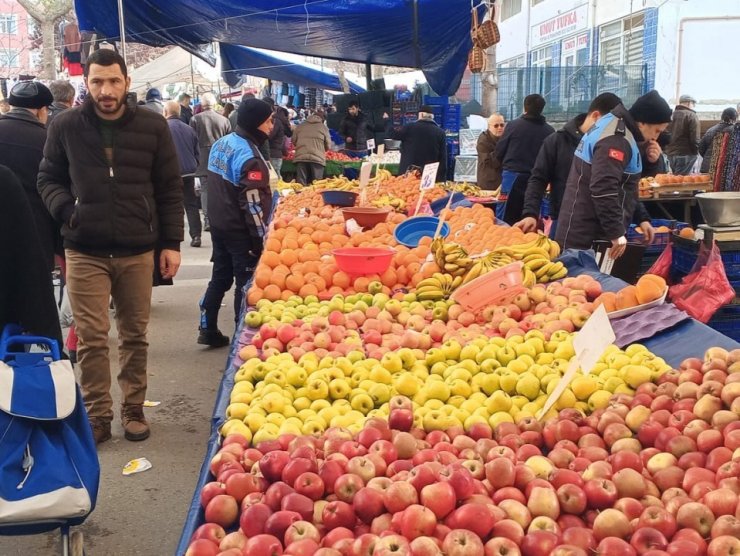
(706, 288)
(662, 266)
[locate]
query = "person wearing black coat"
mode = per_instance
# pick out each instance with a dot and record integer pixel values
(517, 150)
(26, 289)
(22, 139)
(422, 142)
(729, 117)
(355, 128)
(554, 160)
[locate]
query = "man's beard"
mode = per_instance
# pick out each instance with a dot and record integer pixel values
(108, 104)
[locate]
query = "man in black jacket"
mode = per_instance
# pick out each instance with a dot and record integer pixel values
(22, 138)
(355, 128)
(110, 176)
(422, 142)
(517, 150)
(601, 193)
(188, 152)
(685, 133)
(554, 160)
(240, 204)
(64, 97)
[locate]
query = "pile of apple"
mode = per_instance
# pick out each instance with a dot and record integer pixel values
(487, 380)
(384, 323)
(655, 473)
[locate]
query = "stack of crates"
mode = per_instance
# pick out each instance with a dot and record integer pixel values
(404, 112)
(685, 252)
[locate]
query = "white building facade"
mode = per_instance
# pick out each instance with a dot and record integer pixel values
(572, 49)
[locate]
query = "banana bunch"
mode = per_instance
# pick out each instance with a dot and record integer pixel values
(396, 203)
(291, 185)
(537, 257)
(437, 287)
(381, 175)
(468, 189)
(487, 263)
(451, 257)
(336, 183)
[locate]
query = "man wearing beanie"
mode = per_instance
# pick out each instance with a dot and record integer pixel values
(154, 101)
(22, 138)
(685, 132)
(601, 195)
(239, 207)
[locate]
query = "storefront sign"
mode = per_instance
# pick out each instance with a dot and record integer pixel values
(560, 26)
(575, 43)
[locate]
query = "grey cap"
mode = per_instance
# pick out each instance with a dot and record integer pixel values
(683, 99)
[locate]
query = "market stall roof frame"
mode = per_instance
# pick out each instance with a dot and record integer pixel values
(433, 35)
(239, 61)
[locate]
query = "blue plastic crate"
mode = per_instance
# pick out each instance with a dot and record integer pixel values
(661, 239)
(727, 321)
(436, 101)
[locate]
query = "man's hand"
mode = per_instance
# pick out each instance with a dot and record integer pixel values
(653, 151)
(619, 246)
(385, 115)
(169, 263)
(648, 232)
(527, 224)
(348, 139)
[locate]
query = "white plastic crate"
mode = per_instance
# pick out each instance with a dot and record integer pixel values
(466, 168)
(468, 141)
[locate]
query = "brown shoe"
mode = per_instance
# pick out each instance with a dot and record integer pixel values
(100, 429)
(135, 425)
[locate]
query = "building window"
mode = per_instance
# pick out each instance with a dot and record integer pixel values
(518, 62)
(8, 24)
(620, 42)
(535, 2)
(510, 8)
(9, 58)
(542, 57)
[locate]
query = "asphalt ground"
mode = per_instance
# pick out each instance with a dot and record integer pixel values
(143, 514)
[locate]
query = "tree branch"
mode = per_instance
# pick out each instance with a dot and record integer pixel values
(46, 10)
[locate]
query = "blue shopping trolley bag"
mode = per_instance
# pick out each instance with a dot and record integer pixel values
(49, 470)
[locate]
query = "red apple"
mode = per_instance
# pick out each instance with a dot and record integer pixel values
(209, 531)
(611, 523)
(399, 496)
(273, 463)
(303, 547)
(338, 514)
(659, 519)
(725, 545)
(601, 493)
(647, 538)
(539, 543)
(300, 530)
(478, 518)
(612, 546)
(368, 504)
(223, 510)
(440, 498)
(202, 547)
(263, 545)
(417, 521)
(695, 516)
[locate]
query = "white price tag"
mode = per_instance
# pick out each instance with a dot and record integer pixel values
(370, 144)
(381, 151)
(429, 176)
(365, 171)
(589, 344)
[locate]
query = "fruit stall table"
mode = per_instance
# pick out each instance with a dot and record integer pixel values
(473, 228)
(333, 168)
(686, 200)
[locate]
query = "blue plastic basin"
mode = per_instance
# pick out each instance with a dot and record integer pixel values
(410, 232)
(339, 198)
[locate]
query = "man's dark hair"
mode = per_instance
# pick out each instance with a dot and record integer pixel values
(106, 57)
(247, 96)
(534, 104)
(604, 103)
(729, 115)
(62, 91)
(353, 103)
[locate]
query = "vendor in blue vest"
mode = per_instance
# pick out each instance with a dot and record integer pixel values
(239, 206)
(602, 189)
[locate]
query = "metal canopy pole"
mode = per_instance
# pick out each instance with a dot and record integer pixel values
(122, 29)
(369, 75)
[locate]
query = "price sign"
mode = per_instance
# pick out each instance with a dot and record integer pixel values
(381, 151)
(365, 171)
(589, 345)
(370, 144)
(429, 176)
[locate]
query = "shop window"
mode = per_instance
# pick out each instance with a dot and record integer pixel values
(620, 42)
(510, 8)
(8, 24)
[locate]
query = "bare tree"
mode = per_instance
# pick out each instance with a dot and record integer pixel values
(46, 13)
(489, 80)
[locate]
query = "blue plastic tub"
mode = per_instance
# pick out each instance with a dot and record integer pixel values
(339, 198)
(410, 232)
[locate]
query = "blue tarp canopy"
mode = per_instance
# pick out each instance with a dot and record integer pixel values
(432, 35)
(238, 61)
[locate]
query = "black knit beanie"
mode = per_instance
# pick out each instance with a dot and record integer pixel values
(252, 114)
(651, 108)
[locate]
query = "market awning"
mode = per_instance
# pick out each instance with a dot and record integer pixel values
(238, 61)
(432, 35)
(172, 67)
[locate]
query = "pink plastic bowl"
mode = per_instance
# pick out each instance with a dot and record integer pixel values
(361, 261)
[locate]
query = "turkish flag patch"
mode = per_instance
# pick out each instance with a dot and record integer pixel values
(254, 175)
(616, 155)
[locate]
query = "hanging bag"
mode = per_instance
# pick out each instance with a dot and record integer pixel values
(487, 34)
(49, 469)
(662, 266)
(706, 288)
(477, 56)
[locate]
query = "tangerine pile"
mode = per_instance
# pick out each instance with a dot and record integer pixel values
(475, 229)
(297, 259)
(648, 288)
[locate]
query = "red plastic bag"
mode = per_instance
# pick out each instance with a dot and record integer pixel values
(706, 288)
(662, 266)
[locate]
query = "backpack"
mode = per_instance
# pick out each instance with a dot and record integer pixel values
(49, 470)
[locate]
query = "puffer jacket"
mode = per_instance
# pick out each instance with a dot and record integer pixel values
(120, 209)
(312, 140)
(600, 197)
(685, 132)
(239, 196)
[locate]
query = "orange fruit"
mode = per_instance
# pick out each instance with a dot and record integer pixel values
(254, 295)
(608, 300)
(271, 259)
(288, 257)
(294, 282)
(627, 297)
(649, 288)
(261, 277)
(687, 233)
(361, 283)
(272, 292)
(308, 289)
(342, 280)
